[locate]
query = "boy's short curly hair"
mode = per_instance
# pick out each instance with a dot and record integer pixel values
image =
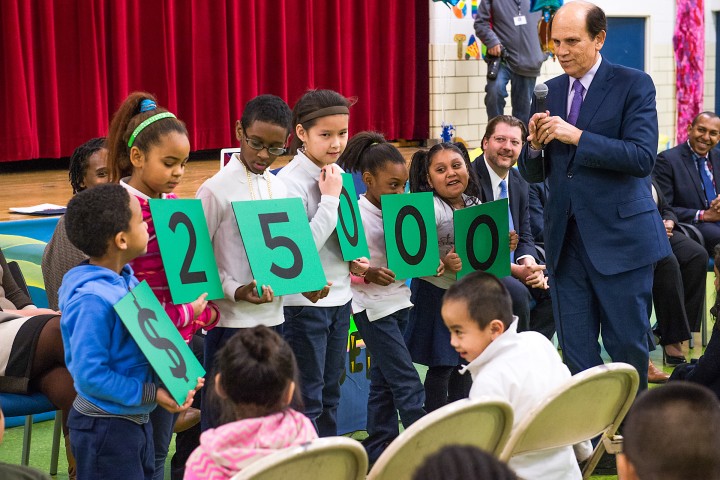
(95, 216)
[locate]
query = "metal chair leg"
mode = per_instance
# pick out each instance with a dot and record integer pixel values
(27, 437)
(57, 431)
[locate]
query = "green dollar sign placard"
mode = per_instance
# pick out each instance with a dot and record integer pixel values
(411, 237)
(481, 238)
(186, 249)
(351, 233)
(160, 341)
(279, 245)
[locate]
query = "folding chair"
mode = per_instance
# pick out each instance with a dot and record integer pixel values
(339, 458)
(226, 154)
(484, 423)
(592, 403)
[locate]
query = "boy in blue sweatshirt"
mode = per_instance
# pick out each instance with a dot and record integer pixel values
(109, 431)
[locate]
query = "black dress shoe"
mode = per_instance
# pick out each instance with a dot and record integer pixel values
(673, 360)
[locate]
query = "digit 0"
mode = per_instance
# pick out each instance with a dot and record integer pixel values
(355, 237)
(494, 242)
(272, 243)
(186, 276)
(409, 210)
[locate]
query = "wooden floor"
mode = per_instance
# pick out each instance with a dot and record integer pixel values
(34, 186)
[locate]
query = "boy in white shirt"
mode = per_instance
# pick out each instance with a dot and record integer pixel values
(522, 368)
(263, 132)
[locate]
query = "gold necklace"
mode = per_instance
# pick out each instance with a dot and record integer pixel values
(250, 185)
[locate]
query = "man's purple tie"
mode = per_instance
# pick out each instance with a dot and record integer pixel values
(576, 102)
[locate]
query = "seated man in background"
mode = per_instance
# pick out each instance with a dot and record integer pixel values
(502, 142)
(672, 433)
(687, 173)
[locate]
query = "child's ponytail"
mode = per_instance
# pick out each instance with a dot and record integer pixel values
(256, 368)
(127, 122)
(368, 151)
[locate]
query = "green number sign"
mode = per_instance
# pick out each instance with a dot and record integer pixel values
(411, 237)
(279, 245)
(351, 234)
(186, 249)
(160, 341)
(481, 238)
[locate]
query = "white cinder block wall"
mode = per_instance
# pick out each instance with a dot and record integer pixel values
(457, 86)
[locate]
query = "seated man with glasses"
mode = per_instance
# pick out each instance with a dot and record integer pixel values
(502, 143)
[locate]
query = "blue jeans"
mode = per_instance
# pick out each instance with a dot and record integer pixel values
(319, 336)
(111, 448)
(496, 93)
(211, 414)
(394, 383)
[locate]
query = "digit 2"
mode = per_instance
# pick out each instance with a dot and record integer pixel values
(355, 238)
(186, 276)
(494, 242)
(281, 241)
(409, 210)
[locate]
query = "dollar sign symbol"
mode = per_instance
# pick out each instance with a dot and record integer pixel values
(146, 317)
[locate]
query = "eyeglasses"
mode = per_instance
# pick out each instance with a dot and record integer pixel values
(502, 140)
(259, 146)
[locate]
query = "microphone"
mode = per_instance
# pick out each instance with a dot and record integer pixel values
(540, 91)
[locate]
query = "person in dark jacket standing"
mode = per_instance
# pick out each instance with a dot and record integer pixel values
(510, 31)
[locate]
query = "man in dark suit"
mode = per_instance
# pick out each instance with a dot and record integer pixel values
(596, 145)
(501, 145)
(687, 173)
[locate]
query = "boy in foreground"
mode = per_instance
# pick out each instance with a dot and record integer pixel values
(521, 368)
(109, 430)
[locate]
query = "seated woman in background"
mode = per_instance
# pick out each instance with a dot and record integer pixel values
(88, 167)
(32, 357)
(706, 369)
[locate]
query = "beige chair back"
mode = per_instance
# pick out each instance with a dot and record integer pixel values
(484, 423)
(592, 402)
(339, 458)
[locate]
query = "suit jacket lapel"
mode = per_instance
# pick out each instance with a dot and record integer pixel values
(690, 166)
(485, 184)
(595, 95)
(557, 102)
(714, 157)
(514, 190)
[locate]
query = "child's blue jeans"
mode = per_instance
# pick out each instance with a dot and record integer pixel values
(395, 385)
(111, 448)
(318, 336)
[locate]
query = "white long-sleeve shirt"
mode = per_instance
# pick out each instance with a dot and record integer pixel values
(301, 177)
(523, 369)
(378, 301)
(229, 185)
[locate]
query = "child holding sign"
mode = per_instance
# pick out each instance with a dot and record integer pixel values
(263, 131)
(116, 390)
(445, 171)
(381, 302)
(317, 332)
(148, 150)
(256, 372)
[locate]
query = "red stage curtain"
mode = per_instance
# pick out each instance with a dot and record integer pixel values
(67, 64)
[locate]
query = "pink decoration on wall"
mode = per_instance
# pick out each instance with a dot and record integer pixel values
(689, 43)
